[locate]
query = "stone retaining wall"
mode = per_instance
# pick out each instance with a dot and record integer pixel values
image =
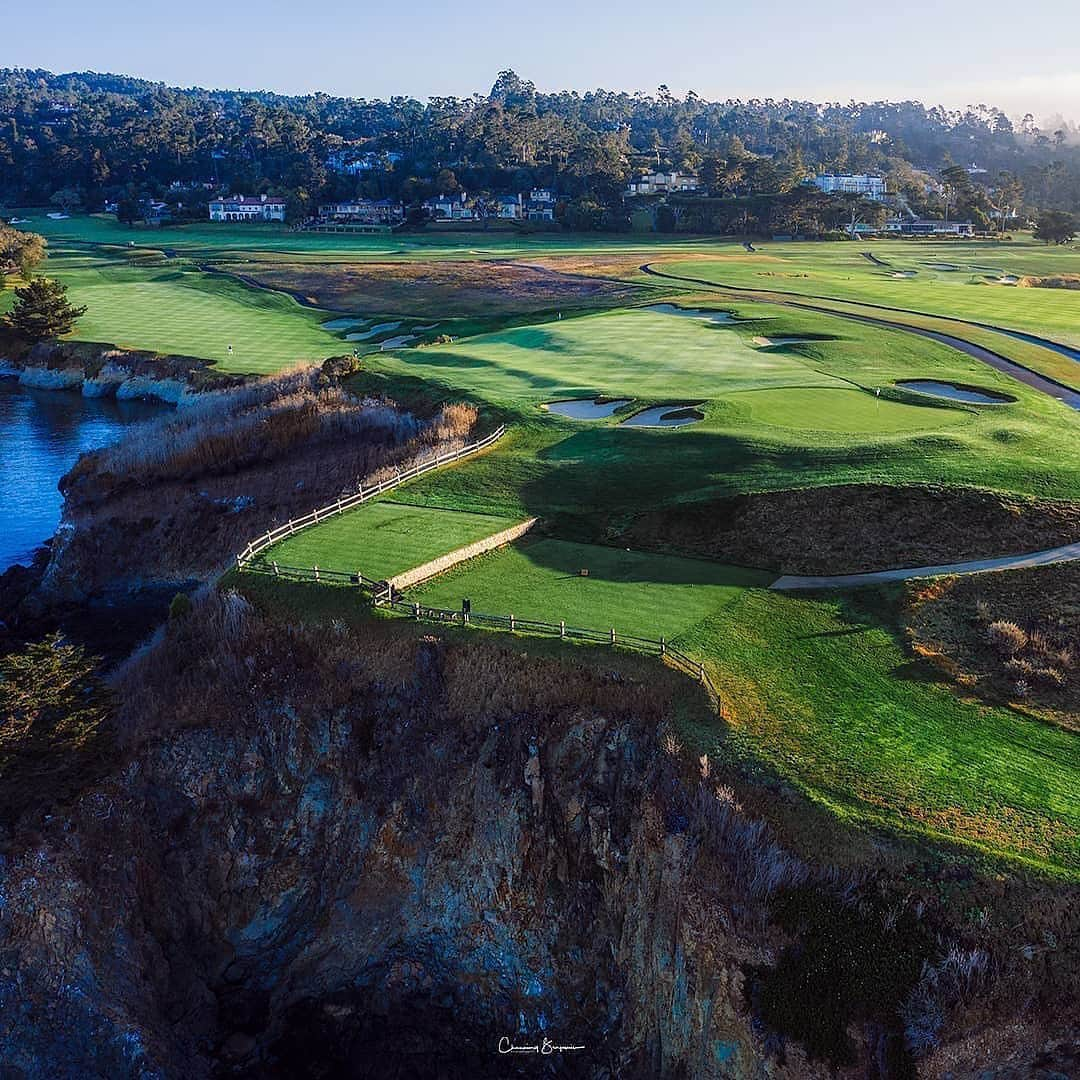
(451, 559)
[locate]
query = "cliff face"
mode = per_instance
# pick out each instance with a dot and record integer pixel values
(325, 853)
(399, 858)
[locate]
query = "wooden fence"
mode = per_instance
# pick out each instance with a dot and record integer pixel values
(382, 594)
(294, 525)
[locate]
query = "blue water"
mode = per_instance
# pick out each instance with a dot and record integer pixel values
(42, 433)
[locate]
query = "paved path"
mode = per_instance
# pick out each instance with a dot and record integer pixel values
(1068, 553)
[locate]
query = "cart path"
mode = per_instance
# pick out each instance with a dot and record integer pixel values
(1042, 383)
(1066, 553)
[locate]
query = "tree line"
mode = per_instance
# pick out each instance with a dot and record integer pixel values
(80, 139)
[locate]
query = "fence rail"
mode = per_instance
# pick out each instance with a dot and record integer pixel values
(294, 525)
(384, 595)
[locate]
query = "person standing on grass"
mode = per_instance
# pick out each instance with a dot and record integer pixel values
(229, 350)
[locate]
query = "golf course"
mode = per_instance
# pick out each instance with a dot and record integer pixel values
(767, 374)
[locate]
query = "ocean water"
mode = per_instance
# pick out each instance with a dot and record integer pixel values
(42, 434)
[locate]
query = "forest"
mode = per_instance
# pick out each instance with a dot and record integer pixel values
(81, 139)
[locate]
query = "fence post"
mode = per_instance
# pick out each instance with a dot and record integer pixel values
(359, 580)
(511, 621)
(562, 628)
(701, 672)
(239, 562)
(274, 565)
(315, 514)
(613, 635)
(339, 506)
(663, 646)
(315, 571)
(416, 610)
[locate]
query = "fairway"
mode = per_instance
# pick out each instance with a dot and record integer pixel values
(636, 592)
(192, 314)
(970, 291)
(384, 538)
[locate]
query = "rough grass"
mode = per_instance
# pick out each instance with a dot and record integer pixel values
(1011, 637)
(856, 527)
(449, 288)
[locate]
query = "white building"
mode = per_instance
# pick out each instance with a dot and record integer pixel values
(510, 207)
(247, 208)
(364, 211)
(454, 207)
(662, 183)
(870, 187)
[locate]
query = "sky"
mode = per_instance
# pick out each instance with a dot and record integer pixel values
(948, 52)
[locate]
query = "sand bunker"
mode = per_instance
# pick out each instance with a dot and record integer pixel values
(768, 341)
(692, 313)
(1007, 279)
(397, 342)
(954, 392)
(342, 324)
(585, 409)
(666, 416)
(379, 329)
(944, 266)
(904, 273)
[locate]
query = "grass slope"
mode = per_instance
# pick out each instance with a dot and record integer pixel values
(824, 690)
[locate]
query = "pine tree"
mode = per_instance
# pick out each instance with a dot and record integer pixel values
(42, 310)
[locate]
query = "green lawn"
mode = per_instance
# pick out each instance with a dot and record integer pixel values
(827, 694)
(192, 314)
(384, 538)
(209, 239)
(638, 593)
(970, 292)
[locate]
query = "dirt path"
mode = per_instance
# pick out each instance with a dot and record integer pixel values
(1017, 371)
(1067, 553)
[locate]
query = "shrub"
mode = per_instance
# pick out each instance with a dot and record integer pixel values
(1006, 637)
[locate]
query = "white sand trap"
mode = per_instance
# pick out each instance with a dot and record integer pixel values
(422, 329)
(584, 409)
(59, 217)
(692, 313)
(382, 328)
(666, 416)
(767, 341)
(1007, 279)
(904, 273)
(944, 266)
(934, 388)
(397, 342)
(343, 324)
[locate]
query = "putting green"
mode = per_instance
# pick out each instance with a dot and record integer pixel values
(847, 411)
(384, 538)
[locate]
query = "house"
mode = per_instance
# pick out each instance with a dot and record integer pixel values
(864, 184)
(510, 207)
(363, 212)
(662, 183)
(926, 227)
(247, 208)
(540, 205)
(454, 207)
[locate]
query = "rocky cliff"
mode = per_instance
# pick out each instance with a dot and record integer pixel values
(323, 852)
